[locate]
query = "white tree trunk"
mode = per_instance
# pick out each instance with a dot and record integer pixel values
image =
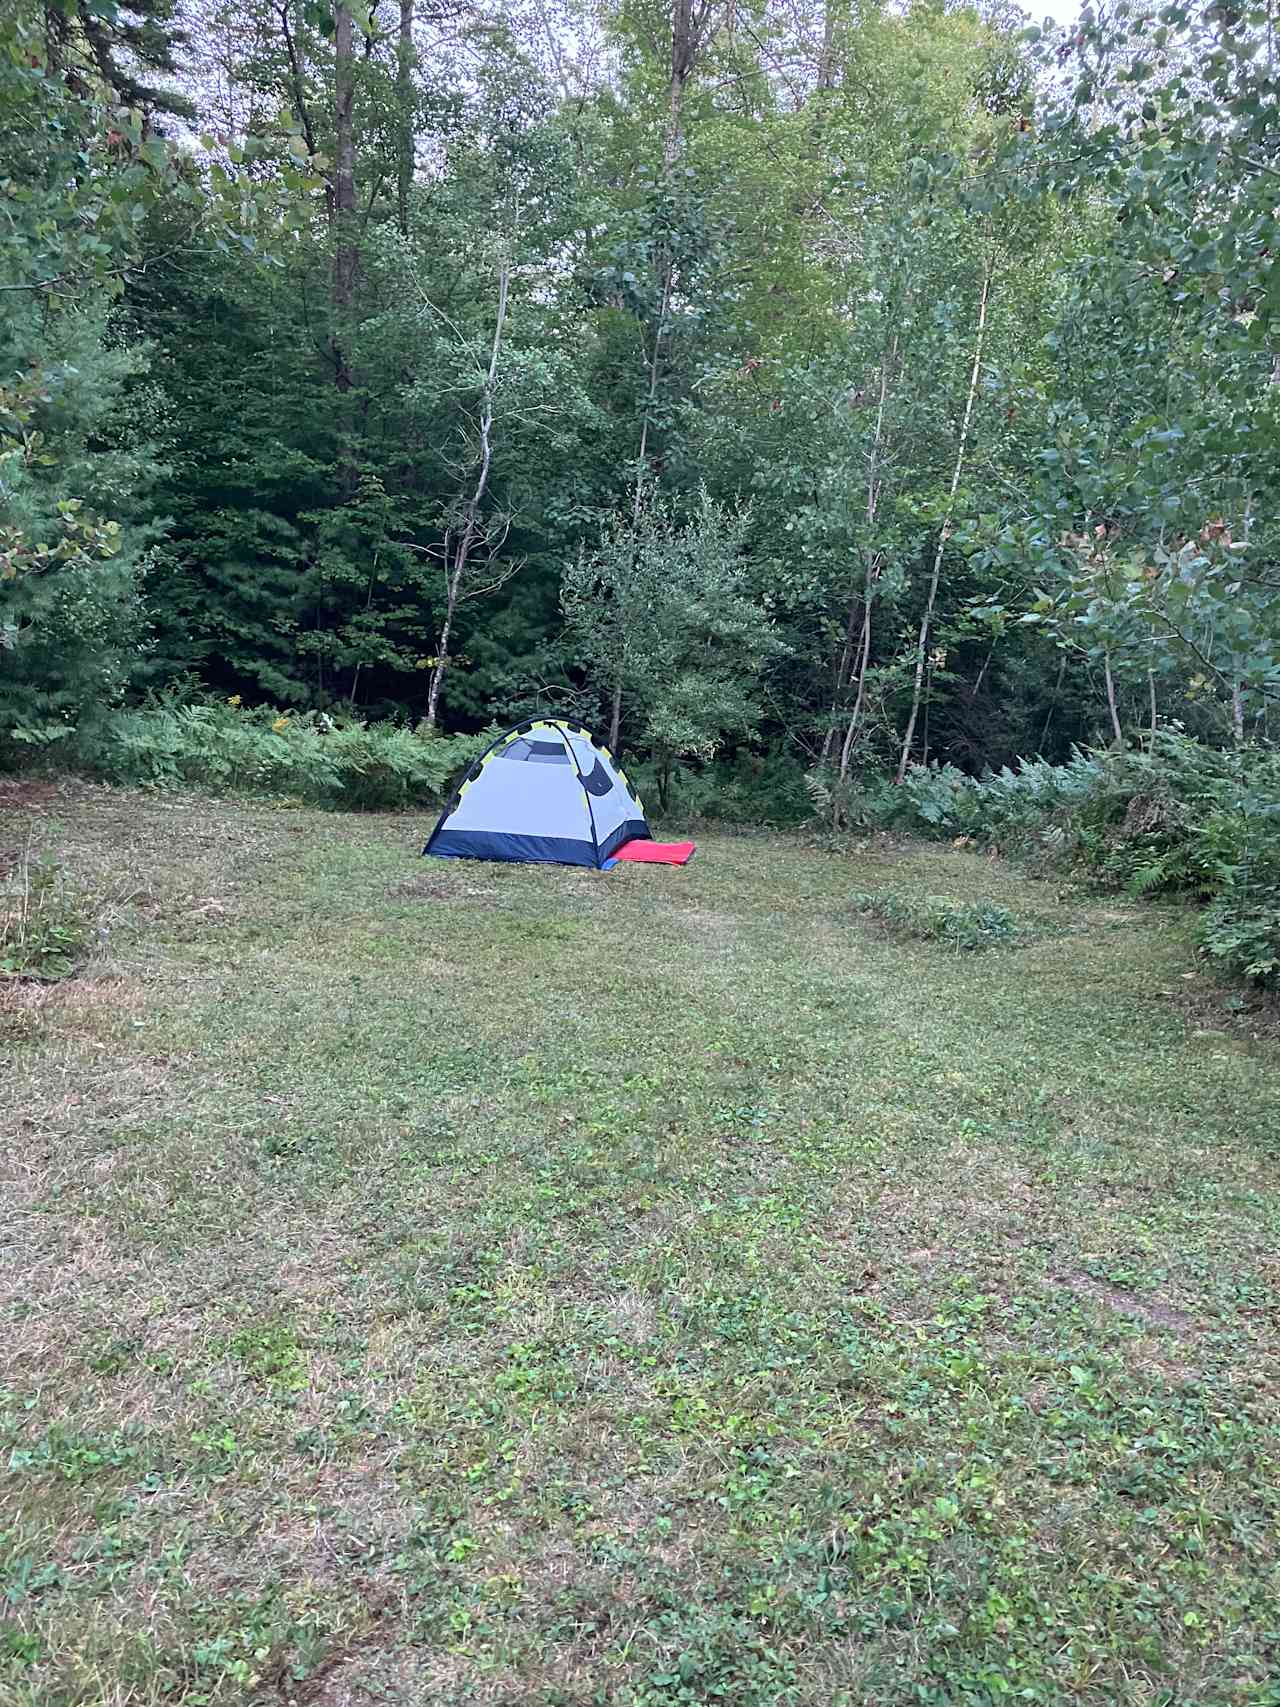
(1110, 681)
(944, 532)
(872, 558)
(458, 557)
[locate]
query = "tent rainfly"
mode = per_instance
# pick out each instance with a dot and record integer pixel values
(543, 792)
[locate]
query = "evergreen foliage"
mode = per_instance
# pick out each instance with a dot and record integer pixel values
(76, 467)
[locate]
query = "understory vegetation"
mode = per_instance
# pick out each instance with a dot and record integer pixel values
(1181, 818)
(308, 756)
(44, 930)
(481, 1284)
(962, 925)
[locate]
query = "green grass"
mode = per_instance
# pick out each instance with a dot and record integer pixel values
(438, 1283)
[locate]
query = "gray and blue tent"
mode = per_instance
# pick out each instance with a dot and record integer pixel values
(543, 792)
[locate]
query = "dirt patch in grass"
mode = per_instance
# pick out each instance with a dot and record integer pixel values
(91, 1005)
(23, 794)
(23, 1006)
(1210, 1009)
(717, 929)
(1148, 1310)
(462, 893)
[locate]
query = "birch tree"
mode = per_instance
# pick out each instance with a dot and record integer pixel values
(949, 509)
(470, 551)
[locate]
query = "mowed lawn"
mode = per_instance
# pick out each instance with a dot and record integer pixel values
(437, 1283)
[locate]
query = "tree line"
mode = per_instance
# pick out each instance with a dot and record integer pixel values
(834, 387)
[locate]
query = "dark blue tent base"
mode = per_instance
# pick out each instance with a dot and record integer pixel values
(495, 844)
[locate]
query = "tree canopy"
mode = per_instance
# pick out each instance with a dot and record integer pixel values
(842, 387)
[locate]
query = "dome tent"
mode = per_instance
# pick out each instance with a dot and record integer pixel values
(543, 792)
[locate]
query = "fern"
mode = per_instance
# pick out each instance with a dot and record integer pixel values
(1187, 819)
(820, 794)
(358, 766)
(1148, 878)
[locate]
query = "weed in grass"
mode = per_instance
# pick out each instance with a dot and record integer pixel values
(43, 927)
(270, 1354)
(966, 926)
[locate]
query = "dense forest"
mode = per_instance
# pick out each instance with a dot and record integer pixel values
(790, 390)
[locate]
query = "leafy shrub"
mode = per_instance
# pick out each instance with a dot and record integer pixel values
(43, 929)
(966, 926)
(225, 748)
(1241, 930)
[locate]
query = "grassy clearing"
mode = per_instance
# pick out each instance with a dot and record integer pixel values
(460, 1283)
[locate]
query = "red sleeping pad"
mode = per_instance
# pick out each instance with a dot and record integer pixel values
(656, 853)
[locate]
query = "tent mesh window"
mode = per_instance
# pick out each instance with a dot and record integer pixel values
(536, 752)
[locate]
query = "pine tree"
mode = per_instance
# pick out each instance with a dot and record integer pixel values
(74, 466)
